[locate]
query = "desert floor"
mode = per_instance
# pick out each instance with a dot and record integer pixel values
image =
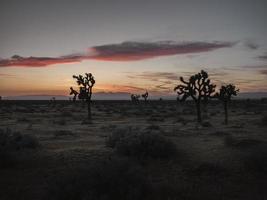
(211, 161)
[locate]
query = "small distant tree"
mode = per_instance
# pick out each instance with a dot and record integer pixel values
(86, 82)
(145, 96)
(135, 98)
(74, 93)
(225, 94)
(198, 87)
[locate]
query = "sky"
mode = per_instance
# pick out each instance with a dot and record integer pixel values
(130, 46)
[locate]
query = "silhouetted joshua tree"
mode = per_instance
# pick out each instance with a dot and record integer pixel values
(145, 96)
(86, 82)
(74, 93)
(135, 98)
(198, 87)
(225, 94)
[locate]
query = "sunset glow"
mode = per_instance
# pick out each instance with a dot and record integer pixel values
(143, 50)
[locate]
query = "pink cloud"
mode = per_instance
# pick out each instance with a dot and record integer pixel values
(126, 51)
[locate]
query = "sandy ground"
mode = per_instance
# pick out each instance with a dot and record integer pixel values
(212, 158)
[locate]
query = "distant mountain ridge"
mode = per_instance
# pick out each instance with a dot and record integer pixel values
(122, 96)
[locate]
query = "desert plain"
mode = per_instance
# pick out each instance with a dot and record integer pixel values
(152, 150)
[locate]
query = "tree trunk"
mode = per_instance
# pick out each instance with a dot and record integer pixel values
(198, 112)
(225, 112)
(89, 109)
(89, 103)
(205, 109)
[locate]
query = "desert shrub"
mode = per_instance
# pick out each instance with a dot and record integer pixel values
(264, 120)
(117, 178)
(60, 133)
(182, 120)
(142, 145)
(61, 121)
(153, 127)
(256, 161)
(220, 133)
(240, 142)
(15, 140)
(207, 169)
(116, 136)
(212, 114)
(7, 159)
(156, 118)
(66, 113)
(10, 143)
(23, 119)
(206, 124)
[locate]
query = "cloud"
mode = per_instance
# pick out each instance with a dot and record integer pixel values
(156, 76)
(132, 51)
(125, 51)
(264, 71)
(159, 81)
(38, 61)
(263, 57)
(255, 67)
(251, 45)
(7, 75)
(117, 88)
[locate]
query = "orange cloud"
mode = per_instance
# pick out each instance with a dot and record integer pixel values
(38, 61)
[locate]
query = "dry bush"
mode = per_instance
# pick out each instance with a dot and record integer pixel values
(116, 178)
(206, 124)
(15, 140)
(12, 142)
(153, 127)
(240, 142)
(63, 133)
(141, 145)
(61, 121)
(66, 113)
(256, 161)
(115, 136)
(264, 120)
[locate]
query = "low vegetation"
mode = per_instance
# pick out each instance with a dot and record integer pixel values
(141, 145)
(13, 142)
(115, 178)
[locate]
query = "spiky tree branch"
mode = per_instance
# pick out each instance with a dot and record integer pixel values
(145, 96)
(198, 87)
(225, 94)
(87, 82)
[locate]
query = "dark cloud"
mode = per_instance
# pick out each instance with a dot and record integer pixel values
(131, 51)
(126, 51)
(244, 67)
(255, 67)
(264, 71)
(263, 57)
(251, 45)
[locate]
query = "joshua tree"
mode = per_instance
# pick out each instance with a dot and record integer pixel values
(86, 82)
(198, 87)
(135, 98)
(225, 94)
(145, 95)
(73, 92)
